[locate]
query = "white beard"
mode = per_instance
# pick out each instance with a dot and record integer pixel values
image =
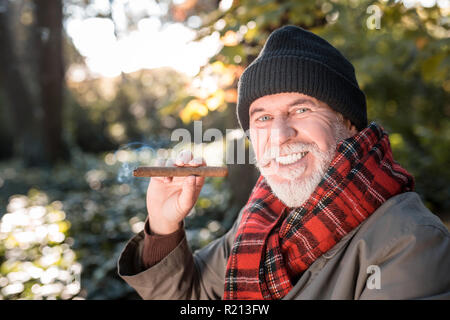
(294, 192)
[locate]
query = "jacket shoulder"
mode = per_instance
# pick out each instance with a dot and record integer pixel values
(403, 214)
(410, 245)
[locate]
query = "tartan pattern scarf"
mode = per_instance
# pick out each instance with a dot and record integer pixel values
(275, 244)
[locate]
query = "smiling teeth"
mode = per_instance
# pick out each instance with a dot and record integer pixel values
(291, 158)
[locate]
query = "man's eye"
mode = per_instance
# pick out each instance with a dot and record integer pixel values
(301, 110)
(264, 118)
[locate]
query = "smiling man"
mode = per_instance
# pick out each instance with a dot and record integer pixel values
(332, 216)
(295, 138)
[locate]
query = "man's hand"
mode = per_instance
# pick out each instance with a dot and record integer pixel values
(170, 199)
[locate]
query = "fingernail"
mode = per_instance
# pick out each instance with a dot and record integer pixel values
(186, 156)
(196, 161)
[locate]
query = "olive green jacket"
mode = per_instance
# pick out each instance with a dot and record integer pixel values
(402, 251)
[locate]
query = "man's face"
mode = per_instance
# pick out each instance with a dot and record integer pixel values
(294, 137)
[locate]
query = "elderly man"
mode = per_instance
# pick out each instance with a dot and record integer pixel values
(332, 216)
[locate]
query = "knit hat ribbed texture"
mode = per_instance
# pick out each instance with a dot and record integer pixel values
(296, 60)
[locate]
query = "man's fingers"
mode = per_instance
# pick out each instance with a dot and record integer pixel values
(199, 182)
(169, 163)
(187, 196)
(183, 158)
(197, 162)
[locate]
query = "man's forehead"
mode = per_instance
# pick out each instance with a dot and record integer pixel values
(283, 100)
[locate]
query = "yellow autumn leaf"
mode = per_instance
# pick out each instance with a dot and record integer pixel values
(194, 110)
(231, 95)
(216, 100)
(230, 38)
(63, 226)
(217, 67)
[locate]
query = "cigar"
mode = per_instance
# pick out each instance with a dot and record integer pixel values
(180, 171)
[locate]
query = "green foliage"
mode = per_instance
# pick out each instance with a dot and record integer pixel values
(97, 214)
(36, 259)
(105, 113)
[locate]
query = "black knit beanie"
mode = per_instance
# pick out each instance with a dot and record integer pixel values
(296, 60)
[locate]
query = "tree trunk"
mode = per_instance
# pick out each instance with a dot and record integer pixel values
(23, 110)
(49, 18)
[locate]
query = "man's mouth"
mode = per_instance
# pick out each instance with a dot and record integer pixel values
(290, 158)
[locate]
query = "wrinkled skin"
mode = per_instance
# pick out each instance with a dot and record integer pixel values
(282, 119)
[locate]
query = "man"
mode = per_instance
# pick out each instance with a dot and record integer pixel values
(332, 216)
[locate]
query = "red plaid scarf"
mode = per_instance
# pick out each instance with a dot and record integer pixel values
(273, 246)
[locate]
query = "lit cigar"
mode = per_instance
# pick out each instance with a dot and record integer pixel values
(180, 171)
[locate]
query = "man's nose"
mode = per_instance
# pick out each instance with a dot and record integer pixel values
(282, 131)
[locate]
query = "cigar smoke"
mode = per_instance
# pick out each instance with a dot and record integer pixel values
(131, 156)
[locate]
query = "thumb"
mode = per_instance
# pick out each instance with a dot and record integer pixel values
(187, 197)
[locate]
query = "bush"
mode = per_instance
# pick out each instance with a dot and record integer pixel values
(36, 258)
(98, 213)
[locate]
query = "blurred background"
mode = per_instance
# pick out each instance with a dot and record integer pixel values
(91, 89)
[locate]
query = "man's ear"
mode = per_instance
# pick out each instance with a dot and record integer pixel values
(351, 127)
